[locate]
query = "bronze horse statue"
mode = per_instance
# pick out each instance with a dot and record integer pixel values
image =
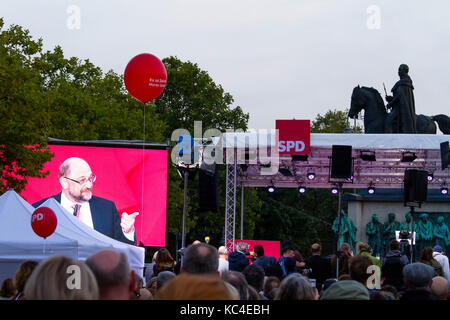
(375, 113)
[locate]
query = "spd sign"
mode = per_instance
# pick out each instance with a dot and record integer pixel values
(294, 136)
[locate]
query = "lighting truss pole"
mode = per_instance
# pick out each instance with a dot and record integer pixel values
(230, 202)
(242, 212)
(185, 176)
(339, 228)
(411, 247)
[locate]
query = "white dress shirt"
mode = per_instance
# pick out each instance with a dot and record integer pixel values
(86, 215)
(85, 210)
(223, 265)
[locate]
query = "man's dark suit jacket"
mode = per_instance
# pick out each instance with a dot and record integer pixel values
(321, 269)
(105, 217)
(237, 261)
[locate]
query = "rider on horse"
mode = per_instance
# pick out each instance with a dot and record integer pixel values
(402, 104)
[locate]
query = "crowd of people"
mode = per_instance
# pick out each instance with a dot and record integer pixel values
(205, 272)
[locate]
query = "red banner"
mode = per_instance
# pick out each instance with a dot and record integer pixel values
(271, 248)
(294, 136)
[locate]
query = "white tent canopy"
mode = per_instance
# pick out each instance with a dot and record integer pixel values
(72, 238)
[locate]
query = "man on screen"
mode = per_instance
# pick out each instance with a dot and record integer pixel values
(77, 179)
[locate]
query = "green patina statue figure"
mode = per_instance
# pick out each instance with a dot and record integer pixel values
(407, 224)
(389, 229)
(441, 233)
(374, 231)
(424, 233)
(348, 231)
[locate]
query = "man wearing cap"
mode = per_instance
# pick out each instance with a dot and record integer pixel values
(418, 278)
(439, 255)
(346, 290)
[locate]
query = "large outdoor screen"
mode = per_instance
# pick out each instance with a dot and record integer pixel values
(133, 177)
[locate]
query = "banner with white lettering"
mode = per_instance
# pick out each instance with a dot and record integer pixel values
(294, 136)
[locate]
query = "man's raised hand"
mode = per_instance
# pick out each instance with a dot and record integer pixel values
(127, 221)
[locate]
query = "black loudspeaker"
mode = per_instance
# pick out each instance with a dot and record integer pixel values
(415, 186)
(445, 154)
(341, 162)
(208, 191)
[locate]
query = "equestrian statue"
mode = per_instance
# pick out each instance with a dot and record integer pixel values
(402, 118)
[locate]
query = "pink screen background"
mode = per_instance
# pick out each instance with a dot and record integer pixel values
(120, 172)
(271, 248)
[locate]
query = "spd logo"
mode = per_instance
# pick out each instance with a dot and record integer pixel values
(293, 136)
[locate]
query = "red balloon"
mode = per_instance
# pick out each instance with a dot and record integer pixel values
(145, 77)
(43, 222)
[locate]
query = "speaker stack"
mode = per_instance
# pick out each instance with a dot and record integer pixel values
(415, 187)
(341, 162)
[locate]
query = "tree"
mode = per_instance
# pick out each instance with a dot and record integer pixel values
(86, 104)
(44, 94)
(333, 121)
(192, 95)
(23, 133)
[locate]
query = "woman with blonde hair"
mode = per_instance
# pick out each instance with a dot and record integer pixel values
(61, 278)
(295, 287)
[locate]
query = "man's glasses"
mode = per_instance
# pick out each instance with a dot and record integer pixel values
(83, 181)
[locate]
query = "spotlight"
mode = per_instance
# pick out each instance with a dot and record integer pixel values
(311, 175)
(371, 188)
(334, 190)
(408, 156)
(271, 189)
(367, 155)
(301, 189)
(445, 154)
(444, 190)
(430, 177)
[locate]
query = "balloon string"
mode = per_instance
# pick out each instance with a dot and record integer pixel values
(143, 168)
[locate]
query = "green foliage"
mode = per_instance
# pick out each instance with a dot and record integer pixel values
(23, 133)
(333, 121)
(44, 94)
(191, 95)
(86, 104)
(302, 219)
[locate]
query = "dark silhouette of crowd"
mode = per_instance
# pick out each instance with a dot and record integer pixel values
(198, 275)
